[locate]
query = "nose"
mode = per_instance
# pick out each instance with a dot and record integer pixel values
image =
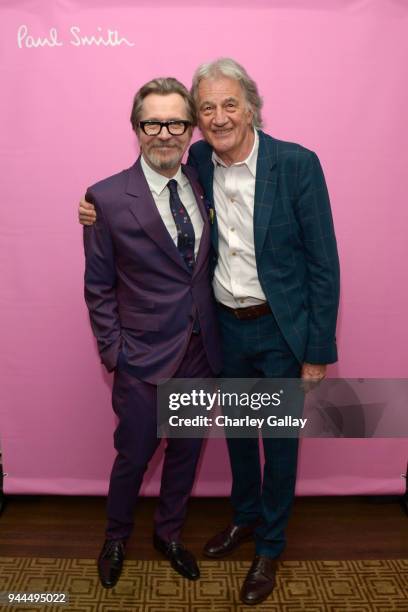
(220, 117)
(164, 133)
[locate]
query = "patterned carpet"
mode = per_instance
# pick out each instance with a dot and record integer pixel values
(152, 586)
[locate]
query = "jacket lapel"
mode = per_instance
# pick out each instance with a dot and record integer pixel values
(206, 172)
(205, 236)
(143, 207)
(265, 188)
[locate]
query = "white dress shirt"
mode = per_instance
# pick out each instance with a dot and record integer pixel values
(161, 195)
(236, 282)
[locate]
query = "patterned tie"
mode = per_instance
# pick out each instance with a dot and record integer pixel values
(185, 229)
(185, 234)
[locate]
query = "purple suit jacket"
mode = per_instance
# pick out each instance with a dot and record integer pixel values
(142, 299)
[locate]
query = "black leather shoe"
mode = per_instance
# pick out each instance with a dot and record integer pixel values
(228, 540)
(260, 580)
(110, 562)
(181, 560)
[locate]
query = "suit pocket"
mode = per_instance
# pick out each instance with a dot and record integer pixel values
(138, 320)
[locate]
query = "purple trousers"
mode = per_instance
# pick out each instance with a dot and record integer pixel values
(135, 439)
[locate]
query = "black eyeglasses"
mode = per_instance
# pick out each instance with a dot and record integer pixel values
(174, 127)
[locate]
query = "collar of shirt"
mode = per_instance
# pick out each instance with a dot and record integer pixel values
(249, 162)
(158, 182)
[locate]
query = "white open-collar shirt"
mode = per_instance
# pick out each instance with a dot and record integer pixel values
(236, 282)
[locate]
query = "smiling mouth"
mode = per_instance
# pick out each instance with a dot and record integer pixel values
(222, 133)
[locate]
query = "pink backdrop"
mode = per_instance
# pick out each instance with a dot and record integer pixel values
(333, 77)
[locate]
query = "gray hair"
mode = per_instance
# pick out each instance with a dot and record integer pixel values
(227, 67)
(163, 87)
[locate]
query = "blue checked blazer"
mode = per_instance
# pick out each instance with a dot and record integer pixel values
(295, 244)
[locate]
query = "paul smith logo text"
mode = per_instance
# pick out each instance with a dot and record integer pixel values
(102, 38)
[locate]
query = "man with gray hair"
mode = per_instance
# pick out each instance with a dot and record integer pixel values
(276, 284)
(150, 303)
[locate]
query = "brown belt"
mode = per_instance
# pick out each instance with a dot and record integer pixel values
(250, 312)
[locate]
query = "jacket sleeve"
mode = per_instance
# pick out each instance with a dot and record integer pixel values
(100, 286)
(322, 263)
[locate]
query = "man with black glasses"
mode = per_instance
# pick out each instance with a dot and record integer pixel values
(149, 297)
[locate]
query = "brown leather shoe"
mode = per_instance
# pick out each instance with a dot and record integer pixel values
(225, 542)
(260, 580)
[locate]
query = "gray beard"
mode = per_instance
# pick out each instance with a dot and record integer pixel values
(165, 164)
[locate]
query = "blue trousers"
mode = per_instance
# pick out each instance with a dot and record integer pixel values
(256, 349)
